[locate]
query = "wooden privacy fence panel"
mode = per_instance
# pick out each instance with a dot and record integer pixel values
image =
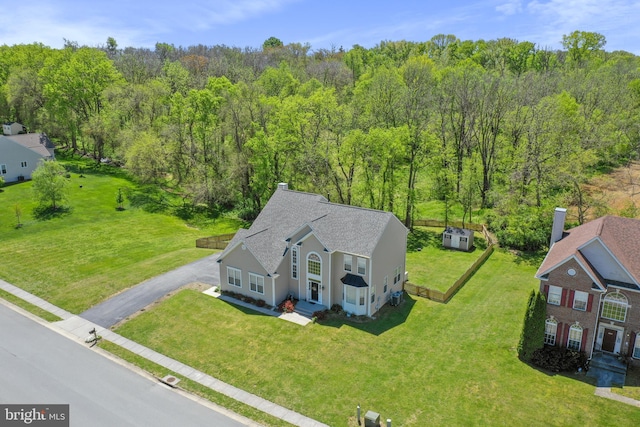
(215, 242)
(439, 296)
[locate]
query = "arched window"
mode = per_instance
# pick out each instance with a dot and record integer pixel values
(550, 331)
(294, 262)
(575, 337)
(615, 307)
(314, 265)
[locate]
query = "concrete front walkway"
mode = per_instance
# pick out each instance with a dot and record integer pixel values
(608, 394)
(78, 329)
(290, 317)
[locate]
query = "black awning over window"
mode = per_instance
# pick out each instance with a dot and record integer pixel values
(353, 280)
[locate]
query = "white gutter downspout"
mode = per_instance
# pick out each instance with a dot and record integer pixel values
(273, 291)
(597, 328)
(371, 285)
(330, 274)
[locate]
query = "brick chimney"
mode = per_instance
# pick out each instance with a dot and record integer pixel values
(559, 217)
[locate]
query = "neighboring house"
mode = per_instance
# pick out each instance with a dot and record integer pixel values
(20, 154)
(457, 238)
(303, 246)
(13, 128)
(591, 278)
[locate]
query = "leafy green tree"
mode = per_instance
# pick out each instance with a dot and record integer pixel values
(111, 47)
(582, 44)
(272, 42)
(49, 184)
(120, 200)
(74, 83)
(532, 336)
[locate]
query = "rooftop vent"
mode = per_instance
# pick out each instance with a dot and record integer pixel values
(283, 186)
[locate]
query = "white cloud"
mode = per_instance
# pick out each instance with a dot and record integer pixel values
(615, 19)
(131, 23)
(510, 8)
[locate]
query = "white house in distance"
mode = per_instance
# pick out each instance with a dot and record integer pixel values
(303, 246)
(13, 128)
(21, 153)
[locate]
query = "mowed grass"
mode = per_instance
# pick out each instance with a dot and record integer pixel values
(422, 363)
(82, 257)
(431, 265)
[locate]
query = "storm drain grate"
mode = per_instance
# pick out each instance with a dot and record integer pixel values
(170, 380)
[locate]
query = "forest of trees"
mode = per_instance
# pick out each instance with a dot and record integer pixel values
(497, 124)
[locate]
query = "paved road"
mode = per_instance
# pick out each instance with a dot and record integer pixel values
(119, 307)
(40, 366)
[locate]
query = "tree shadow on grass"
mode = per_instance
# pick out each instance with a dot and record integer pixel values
(529, 258)
(44, 213)
(418, 239)
(387, 318)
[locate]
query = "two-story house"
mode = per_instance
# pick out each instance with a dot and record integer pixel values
(591, 278)
(305, 247)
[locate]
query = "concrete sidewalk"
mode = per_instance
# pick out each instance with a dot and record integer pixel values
(78, 328)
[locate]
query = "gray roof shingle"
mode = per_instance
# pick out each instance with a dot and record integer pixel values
(620, 235)
(339, 227)
(38, 142)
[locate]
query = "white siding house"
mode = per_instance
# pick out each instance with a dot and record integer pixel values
(303, 246)
(20, 155)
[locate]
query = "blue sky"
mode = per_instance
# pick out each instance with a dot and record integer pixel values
(321, 23)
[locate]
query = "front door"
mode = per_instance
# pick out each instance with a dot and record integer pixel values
(315, 287)
(609, 340)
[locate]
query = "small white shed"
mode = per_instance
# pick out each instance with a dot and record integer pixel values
(13, 128)
(457, 238)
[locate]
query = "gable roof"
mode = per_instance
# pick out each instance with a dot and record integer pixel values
(37, 142)
(339, 227)
(621, 236)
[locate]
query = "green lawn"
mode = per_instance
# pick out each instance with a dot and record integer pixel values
(49, 317)
(82, 257)
(423, 363)
(424, 244)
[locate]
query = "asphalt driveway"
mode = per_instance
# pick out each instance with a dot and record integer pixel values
(124, 304)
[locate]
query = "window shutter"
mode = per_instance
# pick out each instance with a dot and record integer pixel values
(572, 294)
(565, 338)
(632, 342)
(545, 290)
(583, 345)
(590, 303)
(563, 298)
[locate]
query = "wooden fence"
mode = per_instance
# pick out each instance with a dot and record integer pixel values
(215, 242)
(440, 296)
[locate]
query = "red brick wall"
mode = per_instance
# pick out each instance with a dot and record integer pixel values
(565, 313)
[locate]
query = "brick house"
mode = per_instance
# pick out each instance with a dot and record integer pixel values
(591, 279)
